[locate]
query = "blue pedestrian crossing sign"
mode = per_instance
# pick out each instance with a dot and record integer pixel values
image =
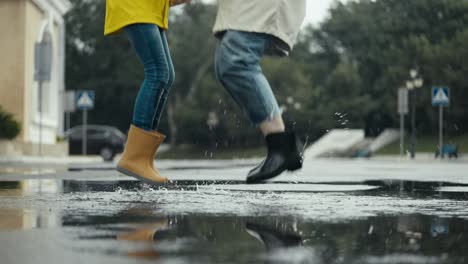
(85, 100)
(440, 96)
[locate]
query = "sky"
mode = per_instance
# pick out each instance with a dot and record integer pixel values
(317, 10)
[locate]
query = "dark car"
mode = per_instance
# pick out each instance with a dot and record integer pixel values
(105, 141)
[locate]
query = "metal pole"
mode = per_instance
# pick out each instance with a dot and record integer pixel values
(67, 116)
(40, 118)
(402, 134)
(413, 124)
(441, 131)
(84, 134)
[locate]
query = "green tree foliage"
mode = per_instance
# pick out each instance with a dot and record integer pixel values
(9, 127)
(342, 74)
(384, 39)
(107, 65)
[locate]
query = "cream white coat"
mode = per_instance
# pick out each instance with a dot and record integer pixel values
(280, 18)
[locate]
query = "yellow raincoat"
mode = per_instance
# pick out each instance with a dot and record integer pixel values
(120, 13)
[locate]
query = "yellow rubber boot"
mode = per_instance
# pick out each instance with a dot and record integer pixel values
(161, 139)
(139, 150)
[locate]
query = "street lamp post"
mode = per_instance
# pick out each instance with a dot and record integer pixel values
(412, 84)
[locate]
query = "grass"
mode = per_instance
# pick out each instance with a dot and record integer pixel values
(195, 152)
(426, 144)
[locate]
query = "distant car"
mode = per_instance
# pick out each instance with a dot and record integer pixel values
(105, 141)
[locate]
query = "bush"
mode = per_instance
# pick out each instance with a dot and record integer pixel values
(9, 127)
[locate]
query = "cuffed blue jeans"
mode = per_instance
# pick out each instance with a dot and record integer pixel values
(150, 44)
(237, 66)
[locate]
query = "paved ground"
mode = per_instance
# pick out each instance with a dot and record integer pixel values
(333, 211)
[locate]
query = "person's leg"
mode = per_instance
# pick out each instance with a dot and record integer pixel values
(142, 142)
(163, 98)
(275, 125)
(237, 65)
(171, 77)
(150, 48)
(238, 68)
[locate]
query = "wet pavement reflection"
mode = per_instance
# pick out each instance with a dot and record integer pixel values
(129, 222)
(221, 239)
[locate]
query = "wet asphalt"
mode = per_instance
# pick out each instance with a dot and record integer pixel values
(333, 211)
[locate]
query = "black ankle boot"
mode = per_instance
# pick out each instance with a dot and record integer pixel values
(284, 153)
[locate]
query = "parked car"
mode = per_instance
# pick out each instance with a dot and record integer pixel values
(105, 141)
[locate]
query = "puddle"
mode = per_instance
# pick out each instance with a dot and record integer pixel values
(229, 222)
(454, 189)
(137, 234)
(30, 187)
(284, 187)
(395, 187)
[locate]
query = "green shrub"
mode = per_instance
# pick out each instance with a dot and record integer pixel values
(9, 127)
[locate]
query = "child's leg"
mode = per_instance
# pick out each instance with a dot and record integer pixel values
(163, 99)
(142, 143)
(150, 48)
(271, 126)
(238, 68)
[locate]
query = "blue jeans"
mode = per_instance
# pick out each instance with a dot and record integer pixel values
(237, 66)
(150, 44)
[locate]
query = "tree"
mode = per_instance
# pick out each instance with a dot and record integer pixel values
(385, 38)
(107, 65)
(343, 73)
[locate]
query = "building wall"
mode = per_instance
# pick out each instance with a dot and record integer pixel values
(36, 21)
(12, 28)
(22, 23)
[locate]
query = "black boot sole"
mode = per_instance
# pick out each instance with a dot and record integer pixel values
(295, 165)
(264, 177)
(292, 166)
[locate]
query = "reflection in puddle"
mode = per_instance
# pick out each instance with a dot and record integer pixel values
(200, 238)
(231, 239)
(11, 219)
(149, 233)
(392, 222)
(30, 187)
(280, 245)
(273, 238)
(24, 219)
